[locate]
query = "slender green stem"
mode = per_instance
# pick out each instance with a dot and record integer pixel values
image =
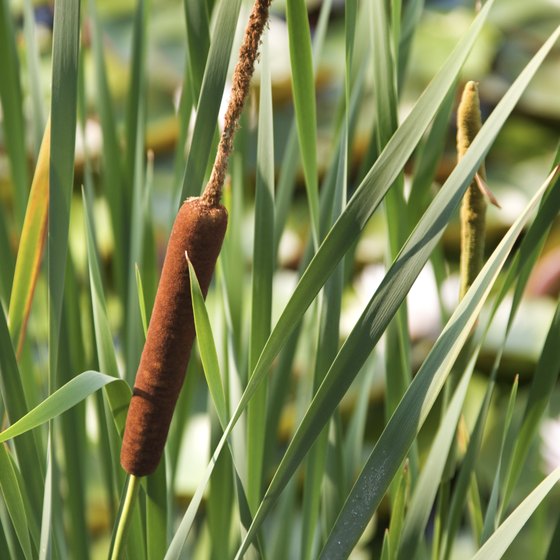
(125, 514)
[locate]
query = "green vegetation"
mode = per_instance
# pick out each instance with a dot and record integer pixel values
(335, 404)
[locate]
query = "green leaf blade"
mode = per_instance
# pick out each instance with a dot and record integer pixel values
(497, 545)
(304, 100)
(206, 346)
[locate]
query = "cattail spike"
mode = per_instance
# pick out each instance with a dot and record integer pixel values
(473, 207)
(199, 230)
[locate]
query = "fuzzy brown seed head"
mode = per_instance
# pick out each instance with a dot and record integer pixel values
(199, 230)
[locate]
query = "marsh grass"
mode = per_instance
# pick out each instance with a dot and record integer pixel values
(414, 485)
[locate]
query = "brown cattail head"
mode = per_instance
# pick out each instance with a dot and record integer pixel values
(473, 206)
(198, 230)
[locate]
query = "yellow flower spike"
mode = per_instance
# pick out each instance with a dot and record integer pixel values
(473, 207)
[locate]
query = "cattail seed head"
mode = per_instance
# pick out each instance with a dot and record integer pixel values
(199, 230)
(468, 118)
(473, 206)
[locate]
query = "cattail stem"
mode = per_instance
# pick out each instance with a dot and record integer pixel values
(125, 514)
(239, 90)
(473, 206)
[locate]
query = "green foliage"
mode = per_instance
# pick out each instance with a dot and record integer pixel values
(342, 431)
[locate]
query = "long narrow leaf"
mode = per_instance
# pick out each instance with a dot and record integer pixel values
(12, 115)
(73, 392)
(304, 100)
(13, 499)
(465, 474)
(544, 380)
(327, 346)
(31, 245)
(61, 173)
(35, 82)
(207, 347)
(118, 396)
(496, 546)
(198, 42)
(27, 450)
(64, 100)
(430, 479)
(397, 360)
(263, 270)
(288, 167)
(136, 181)
(112, 168)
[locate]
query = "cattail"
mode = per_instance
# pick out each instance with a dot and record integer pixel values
(473, 207)
(198, 230)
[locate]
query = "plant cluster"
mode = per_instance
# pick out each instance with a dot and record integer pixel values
(133, 360)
